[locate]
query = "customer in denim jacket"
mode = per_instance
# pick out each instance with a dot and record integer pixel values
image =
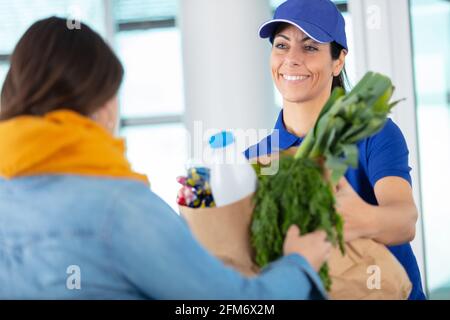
(75, 220)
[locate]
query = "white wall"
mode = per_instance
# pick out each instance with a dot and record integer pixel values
(226, 65)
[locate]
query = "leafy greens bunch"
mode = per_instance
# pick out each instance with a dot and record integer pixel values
(300, 192)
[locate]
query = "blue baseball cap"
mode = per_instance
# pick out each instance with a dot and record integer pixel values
(318, 19)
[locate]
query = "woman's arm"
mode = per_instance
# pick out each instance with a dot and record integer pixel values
(396, 214)
(152, 247)
(392, 222)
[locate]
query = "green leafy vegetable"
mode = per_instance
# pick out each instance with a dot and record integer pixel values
(299, 193)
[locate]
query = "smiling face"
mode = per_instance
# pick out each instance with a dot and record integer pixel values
(302, 68)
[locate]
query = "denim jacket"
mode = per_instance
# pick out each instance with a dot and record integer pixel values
(80, 237)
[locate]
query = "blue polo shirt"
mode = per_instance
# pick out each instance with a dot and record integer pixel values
(381, 155)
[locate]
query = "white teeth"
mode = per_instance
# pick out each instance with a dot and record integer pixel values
(293, 78)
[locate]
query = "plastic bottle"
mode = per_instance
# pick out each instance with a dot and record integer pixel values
(232, 176)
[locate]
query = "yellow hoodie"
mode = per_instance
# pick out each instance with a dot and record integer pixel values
(61, 142)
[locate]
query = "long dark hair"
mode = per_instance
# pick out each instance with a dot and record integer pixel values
(341, 80)
(56, 67)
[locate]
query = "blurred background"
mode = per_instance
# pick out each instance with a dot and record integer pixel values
(202, 60)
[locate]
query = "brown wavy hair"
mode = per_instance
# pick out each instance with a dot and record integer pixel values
(56, 67)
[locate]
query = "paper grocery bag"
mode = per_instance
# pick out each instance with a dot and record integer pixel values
(368, 271)
(225, 232)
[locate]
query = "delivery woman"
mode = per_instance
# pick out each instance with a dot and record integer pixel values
(75, 220)
(307, 61)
